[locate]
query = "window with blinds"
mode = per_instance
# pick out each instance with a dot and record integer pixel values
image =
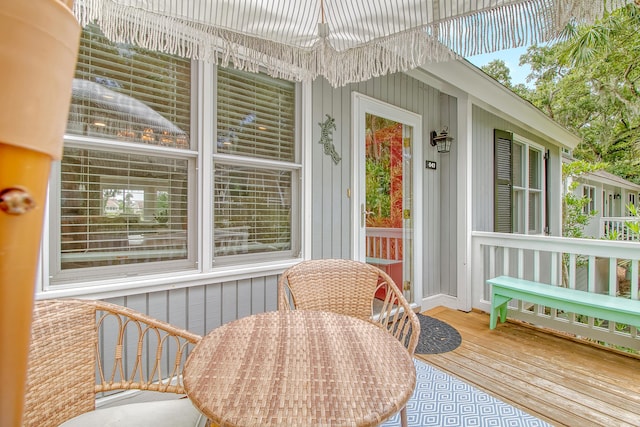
(130, 94)
(123, 199)
(119, 208)
(256, 116)
(255, 167)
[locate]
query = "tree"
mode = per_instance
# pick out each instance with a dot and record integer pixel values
(498, 70)
(590, 83)
(574, 217)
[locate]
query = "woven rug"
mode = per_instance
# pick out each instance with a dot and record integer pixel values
(436, 336)
(442, 400)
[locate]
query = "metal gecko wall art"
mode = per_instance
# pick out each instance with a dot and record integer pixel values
(326, 139)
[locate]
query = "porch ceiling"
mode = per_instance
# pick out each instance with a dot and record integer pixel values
(343, 40)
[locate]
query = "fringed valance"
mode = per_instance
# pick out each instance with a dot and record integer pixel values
(342, 40)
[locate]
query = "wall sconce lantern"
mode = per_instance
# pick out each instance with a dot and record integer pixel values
(617, 196)
(443, 141)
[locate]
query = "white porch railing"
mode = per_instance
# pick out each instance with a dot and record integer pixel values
(611, 227)
(384, 243)
(601, 266)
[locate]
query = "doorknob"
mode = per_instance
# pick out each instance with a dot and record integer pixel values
(363, 215)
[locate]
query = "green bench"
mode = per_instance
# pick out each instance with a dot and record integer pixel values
(504, 288)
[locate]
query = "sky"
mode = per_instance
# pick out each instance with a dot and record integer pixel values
(511, 57)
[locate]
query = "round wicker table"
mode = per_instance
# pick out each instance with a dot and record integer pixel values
(299, 368)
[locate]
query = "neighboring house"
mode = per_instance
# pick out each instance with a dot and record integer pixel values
(266, 173)
(609, 197)
(112, 207)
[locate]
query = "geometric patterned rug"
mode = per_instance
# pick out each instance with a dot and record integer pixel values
(442, 400)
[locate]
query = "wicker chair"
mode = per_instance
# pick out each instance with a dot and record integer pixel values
(80, 348)
(350, 287)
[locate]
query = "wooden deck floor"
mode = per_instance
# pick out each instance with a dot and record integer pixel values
(559, 380)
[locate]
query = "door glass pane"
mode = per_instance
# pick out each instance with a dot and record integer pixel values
(384, 186)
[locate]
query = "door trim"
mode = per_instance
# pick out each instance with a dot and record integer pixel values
(360, 105)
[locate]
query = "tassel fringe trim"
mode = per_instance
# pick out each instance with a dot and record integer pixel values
(512, 25)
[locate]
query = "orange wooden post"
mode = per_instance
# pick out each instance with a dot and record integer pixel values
(21, 172)
(38, 52)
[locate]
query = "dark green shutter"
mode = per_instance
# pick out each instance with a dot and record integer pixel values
(503, 144)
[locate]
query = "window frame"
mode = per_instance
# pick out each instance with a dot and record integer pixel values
(589, 191)
(200, 156)
(295, 167)
(631, 200)
(527, 147)
(69, 277)
(517, 197)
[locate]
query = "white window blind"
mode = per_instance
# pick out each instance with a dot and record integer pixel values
(119, 208)
(124, 92)
(256, 116)
(255, 167)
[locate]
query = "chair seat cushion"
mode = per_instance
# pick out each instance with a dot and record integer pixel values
(162, 413)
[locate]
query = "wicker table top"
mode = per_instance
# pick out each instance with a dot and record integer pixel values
(299, 368)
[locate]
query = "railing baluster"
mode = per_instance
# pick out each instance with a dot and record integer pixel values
(572, 271)
(613, 276)
(521, 263)
(634, 279)
(505, 261)
(492, 261)
(572, 280)
(591, 280)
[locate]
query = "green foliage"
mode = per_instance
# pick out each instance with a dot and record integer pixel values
(590, 83)
(574, 218)
(633, 225)
(499, 71)
(162, 208)
(378, 185)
